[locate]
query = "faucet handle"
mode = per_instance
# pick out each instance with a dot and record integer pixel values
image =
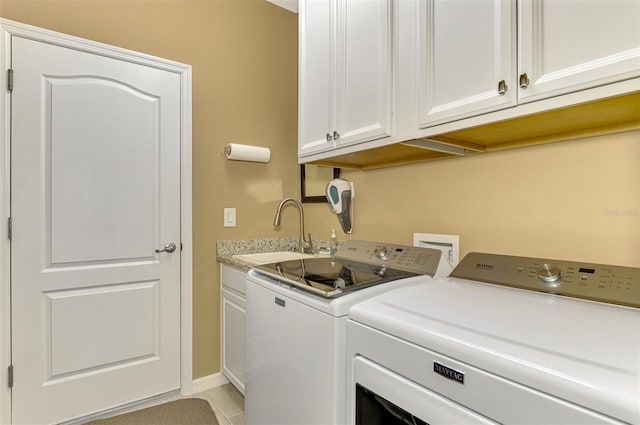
(307, 245)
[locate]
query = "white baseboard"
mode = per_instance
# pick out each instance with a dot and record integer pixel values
(208, 382)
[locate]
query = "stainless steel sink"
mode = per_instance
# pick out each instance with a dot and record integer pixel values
(275, 257)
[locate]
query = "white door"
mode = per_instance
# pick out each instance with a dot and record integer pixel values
(568, 45)
(95, 190)
(466, 58)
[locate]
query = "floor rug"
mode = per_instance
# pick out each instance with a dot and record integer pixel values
(187, 411)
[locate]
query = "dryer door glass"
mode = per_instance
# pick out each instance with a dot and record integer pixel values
(371, 409)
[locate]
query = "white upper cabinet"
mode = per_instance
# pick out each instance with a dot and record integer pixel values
(465, 76)
(345, 74)
(468, 51)
(466, 58)
(569, 45)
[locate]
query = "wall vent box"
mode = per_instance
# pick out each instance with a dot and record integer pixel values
(448, 244)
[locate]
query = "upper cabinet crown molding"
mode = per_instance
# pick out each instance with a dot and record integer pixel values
(464, 72)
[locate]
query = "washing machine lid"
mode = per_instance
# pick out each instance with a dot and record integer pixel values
(585, 352)
(329, 277)
(356, 265)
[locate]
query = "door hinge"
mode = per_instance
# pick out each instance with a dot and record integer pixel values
(9, 228)
(10, 370)
(10, 79)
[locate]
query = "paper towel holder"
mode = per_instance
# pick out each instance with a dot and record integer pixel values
(248, 153)
(312, 186)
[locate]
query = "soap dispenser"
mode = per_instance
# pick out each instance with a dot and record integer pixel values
(333, 244)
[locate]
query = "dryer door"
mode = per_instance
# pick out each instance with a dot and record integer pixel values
(383, 397)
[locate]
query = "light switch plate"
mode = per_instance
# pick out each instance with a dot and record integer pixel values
(229, 217)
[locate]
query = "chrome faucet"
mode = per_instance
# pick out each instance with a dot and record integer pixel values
(304, 245)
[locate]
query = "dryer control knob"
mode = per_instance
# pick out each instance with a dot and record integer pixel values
(550, 274)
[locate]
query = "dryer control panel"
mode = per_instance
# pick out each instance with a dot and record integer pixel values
(596, 282)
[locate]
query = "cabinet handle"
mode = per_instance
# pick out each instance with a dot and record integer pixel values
(336, 135)
(524, 81)
(329, 138)
(502, 87)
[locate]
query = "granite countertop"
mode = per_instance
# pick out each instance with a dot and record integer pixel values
(225, 250)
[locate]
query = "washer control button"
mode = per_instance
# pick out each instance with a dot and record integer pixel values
(382, 252)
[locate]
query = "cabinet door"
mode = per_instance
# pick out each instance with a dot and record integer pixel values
(364, 64)
(465, 49)
(233, 341)
(568, 45)
(316, 69)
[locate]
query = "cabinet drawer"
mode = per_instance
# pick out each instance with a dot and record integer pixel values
(233, 278)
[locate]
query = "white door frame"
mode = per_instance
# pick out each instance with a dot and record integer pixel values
(9, 28)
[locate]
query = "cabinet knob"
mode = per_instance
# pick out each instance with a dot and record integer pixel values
(524, 81)
(336, 135)
(329, 138)
(502, 87)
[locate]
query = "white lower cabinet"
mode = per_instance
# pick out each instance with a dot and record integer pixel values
(233, 319)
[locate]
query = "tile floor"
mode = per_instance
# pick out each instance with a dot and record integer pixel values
(227, 403)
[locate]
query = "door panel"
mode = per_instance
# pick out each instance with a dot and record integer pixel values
(135, 328)
(91, 198)
(95, 190)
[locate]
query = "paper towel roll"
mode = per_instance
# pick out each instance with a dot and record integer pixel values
(237, 152)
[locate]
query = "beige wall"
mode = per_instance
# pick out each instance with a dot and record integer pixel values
(573, 200)
(244, 58)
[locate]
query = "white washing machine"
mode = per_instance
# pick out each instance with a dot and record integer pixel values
(503, 340)
(295, 370)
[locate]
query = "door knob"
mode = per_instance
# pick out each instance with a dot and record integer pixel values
(170, 247)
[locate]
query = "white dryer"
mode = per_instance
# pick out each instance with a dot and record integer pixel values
(503, 340)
